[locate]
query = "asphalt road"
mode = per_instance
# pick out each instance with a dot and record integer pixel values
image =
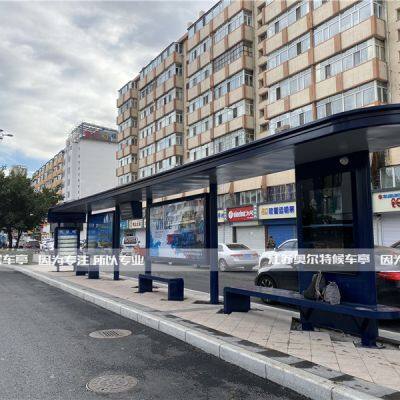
(46, 353)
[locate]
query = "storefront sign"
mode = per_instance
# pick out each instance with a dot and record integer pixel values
(386, 202)
(277, 210)
(221, 215)
(241, 214)
(135, 223)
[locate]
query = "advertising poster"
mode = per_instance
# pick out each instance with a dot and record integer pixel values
(177, 230)
(100, 231)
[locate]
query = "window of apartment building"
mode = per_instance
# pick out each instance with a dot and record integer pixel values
(348, 18)
(147, 151)
(291, 119)
(147, 89)
(200, 49)
(146, 111)
(250, 197)
(318, 3)
(358, 97)
(232, 140)
(288, 51)
(199, 76)
(207, 17)
(173, 94)
(200, 127)
(243, 107)
(127, 87)
(350, 58)
(200, 152)
(169, 141)
(127, 178)
(227, 200)
(281, 193)
(289, 17)
(127, 105)
(390, 177)
(131, 140)
(147, 171)
(171, 118)
(147, 131)
(237, 51)
(129, 159)
(200, 101)
(241, 78)
(129, 123)
(174, 47)
(290, 86)
(243, 17)
(174, 69)
(168, 163)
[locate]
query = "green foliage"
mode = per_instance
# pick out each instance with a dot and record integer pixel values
(21, 208)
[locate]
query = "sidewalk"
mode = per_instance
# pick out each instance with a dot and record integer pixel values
(318, 364)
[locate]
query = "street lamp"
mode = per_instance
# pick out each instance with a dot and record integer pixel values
(2, 134)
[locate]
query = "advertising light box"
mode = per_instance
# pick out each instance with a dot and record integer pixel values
(177, 230)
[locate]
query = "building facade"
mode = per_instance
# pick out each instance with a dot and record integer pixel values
(20, 170)
(249, 69)
(50, 175)
(89, 161)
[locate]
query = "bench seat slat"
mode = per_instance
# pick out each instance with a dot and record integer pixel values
(378, 311)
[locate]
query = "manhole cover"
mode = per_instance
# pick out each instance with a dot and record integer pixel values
(111, 383)
(110, 333)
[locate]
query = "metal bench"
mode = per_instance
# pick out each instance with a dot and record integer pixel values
(238, 299)
(175, 285)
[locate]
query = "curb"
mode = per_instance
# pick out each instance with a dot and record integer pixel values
(303, 382)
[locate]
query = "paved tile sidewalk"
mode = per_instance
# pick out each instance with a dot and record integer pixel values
(266, 327)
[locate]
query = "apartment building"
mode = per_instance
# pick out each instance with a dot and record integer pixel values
(50, 175)
(89, 161)
(248, 69)
(127, 121)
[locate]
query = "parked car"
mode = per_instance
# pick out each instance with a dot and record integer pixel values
(285, 276)
(287, 248)
(236, 256)
(31, 245)
(129, 245)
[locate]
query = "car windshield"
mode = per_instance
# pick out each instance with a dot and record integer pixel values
(237, 246)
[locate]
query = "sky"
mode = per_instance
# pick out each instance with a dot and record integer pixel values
(62, 62)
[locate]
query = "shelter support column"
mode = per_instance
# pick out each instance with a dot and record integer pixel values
(213, 243)
(147, 259)
(116, 241)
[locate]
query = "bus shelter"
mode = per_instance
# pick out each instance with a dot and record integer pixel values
(331, 158)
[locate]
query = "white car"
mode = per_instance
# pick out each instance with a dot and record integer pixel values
(236, 256)
(128, 245)
(285, 251)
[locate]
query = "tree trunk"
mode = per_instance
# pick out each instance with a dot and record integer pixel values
(18, 238)
(9, 234)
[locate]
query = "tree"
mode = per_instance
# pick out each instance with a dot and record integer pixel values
(21, 208)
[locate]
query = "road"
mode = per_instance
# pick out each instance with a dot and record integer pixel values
(46, 353)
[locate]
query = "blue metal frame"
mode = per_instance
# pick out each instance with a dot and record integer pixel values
(358, 287)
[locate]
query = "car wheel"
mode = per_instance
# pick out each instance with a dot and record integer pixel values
(268, 282)
(223, 266)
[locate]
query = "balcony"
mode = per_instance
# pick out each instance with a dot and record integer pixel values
(244, 62)
(130, 94)
(131, 112)
(245, 121)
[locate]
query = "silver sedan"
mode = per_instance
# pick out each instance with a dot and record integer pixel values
(236, 256)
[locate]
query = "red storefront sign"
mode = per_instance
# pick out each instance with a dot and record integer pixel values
(241, 214)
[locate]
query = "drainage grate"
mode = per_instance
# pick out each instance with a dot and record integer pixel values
(110, 334)
(111, 383)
